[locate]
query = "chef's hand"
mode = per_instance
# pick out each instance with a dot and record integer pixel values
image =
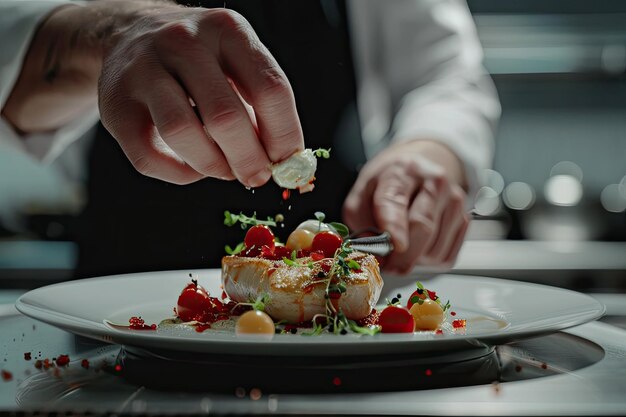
(146, 60)
(215, 58)
(414, 191)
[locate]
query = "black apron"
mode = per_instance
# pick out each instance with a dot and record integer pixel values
(134, 223)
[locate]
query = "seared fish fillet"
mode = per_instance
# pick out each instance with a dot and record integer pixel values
(296, 293)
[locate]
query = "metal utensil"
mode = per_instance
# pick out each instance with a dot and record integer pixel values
(376, 245)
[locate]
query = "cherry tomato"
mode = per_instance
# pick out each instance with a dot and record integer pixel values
(427, 316)
(396, 319)
(421, 294)
(259, 236)
(255, 322)
(416, 293)
(327, 243)
(193, 302)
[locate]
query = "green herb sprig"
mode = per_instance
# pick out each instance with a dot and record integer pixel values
(334, 320)
(231, 219)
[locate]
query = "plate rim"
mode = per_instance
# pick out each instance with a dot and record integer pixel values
(101, 331)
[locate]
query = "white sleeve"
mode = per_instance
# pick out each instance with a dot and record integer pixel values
(18, 22)
(420, 73)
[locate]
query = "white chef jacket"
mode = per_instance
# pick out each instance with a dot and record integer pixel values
(418, 65)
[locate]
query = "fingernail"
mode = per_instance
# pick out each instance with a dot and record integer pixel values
(259, 179)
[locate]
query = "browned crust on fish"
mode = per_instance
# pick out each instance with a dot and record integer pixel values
(296, 293)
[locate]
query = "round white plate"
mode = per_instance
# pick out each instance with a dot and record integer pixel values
(496, 310)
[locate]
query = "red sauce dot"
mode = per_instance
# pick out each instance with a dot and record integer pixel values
(286, 194)
(428, 372)
(118, 368)
(38, 364)
(439, 331)
(458, 323)
(84, 363)
(453, 313)
(336, 381)
(27, 356)
(6, 376)
(202, 327)
(63, 360)
(544, 366)
(137, 323)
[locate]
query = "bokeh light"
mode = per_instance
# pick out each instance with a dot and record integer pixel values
(493, 180)
(613, 198)
(567, 168)
(518, 196)
(563, 190)
(487, 202)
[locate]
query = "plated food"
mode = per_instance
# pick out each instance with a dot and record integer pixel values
(314, 283)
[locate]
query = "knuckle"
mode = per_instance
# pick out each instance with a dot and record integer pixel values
(275, 88)
(224, 115)
(176, 33)
(280, 139)
(422, 224)
(249, 163)
(175, 127)
(227, 20)
(216, 168)
(176, 39)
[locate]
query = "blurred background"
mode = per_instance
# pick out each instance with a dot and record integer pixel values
(552, 210)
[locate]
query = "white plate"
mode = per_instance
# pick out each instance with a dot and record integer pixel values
(496, 311)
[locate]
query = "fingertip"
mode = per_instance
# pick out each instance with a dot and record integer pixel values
(258, 179)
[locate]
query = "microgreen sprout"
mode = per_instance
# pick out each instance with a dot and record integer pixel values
(322, 153)
(395, 300)
(231, 219)
(258, 304)
(237, 249)
(320, 218)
